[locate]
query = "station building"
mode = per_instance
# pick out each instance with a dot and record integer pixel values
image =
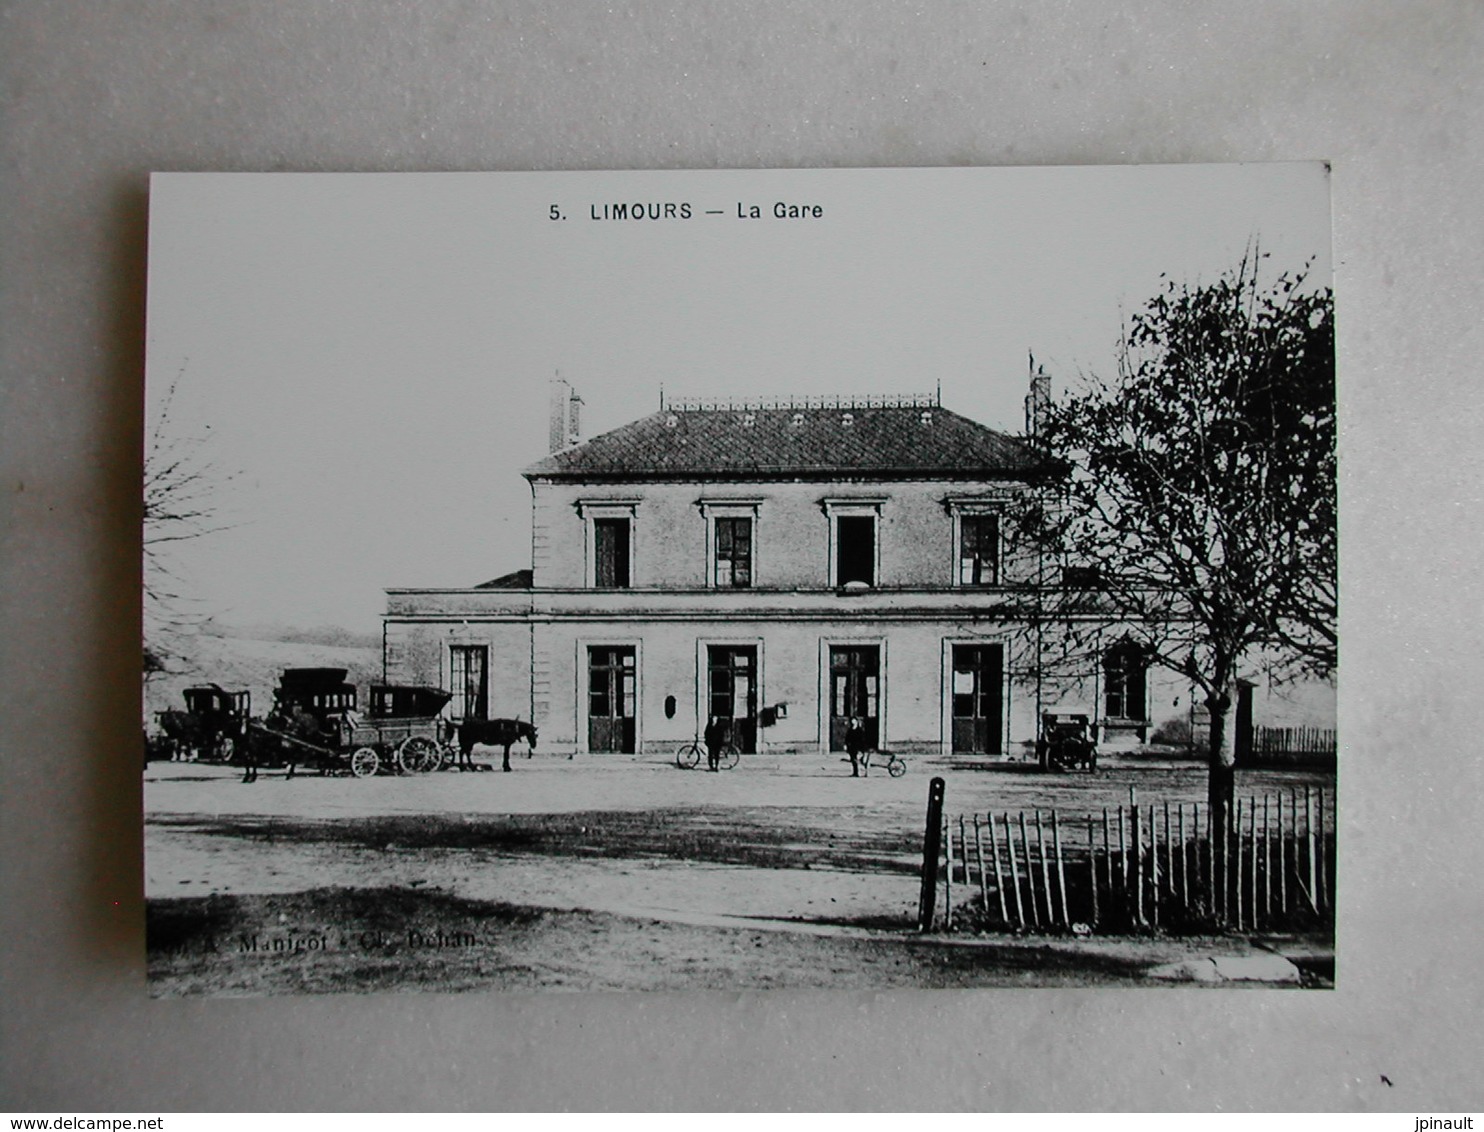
(784, 566)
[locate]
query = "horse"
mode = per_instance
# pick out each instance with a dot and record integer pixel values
(493, 733)
(280, 729)
(192, 737)
(183, 733)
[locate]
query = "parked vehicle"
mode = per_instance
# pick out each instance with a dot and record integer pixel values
(315, 721)
(211, 727)
(1066, 742)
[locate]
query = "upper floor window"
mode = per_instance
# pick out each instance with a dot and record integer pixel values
(610, 542)
(733, 565)
(855, 551)
(855, 556)
(611, 553)
(731, 542)
(978, 546)
(1124, 666)
(978, 550)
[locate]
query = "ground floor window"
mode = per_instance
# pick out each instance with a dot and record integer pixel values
(469, 681)
(1125, 696)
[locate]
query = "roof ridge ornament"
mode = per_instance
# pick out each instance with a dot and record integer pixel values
(830, 401)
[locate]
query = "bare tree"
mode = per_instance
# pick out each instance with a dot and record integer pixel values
(1196, 505)
(182, 487)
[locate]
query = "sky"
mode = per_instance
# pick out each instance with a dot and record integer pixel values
(363, 361)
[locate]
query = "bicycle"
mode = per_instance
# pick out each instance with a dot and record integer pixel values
(895, 766)
(690, 755)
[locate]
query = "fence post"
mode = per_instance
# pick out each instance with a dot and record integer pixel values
(1137, 841)
(1122, 859)
(1045, 871)
(999, 878)
(1252, 859)
(1061, 874)
(1153, 868)
(1184, 859)
(1267, 864)
(1107, 853)
(1030, 871)
(1324, 896)
(1309, 846)
(1092, 869)
(1125, 904)
(1014, 870)
(979, 859)
(948, 875)
(963, 853)
(1210, 858)
(931, 849)
(1282, 835)
(1169, 857)
(1234, 858)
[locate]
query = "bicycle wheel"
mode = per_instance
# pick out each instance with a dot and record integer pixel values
(730, 756)
(688, 757)
(896, 767)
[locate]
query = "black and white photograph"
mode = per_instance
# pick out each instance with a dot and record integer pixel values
(830, 579)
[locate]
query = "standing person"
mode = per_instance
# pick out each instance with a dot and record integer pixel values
(716, 738)
(856, 746)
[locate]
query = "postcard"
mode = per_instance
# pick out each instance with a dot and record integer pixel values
(740, 579)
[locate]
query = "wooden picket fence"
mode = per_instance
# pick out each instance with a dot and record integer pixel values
(1282, 746)
(1141, 867)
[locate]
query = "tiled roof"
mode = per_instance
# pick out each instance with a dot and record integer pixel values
(517, 580)
(810, 443)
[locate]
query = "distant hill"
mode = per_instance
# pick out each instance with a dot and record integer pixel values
(252, 658)
(294, 634)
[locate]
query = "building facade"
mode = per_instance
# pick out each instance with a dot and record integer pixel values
(787, 568)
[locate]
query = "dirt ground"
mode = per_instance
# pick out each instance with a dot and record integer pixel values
(598, 872)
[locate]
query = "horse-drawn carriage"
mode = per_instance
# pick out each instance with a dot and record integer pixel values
(212, 726)
(1066, 742)
(315, 722)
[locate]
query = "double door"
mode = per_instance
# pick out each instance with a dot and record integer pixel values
(611, 686)
(855, 693)
(731, 692)
(978, 673)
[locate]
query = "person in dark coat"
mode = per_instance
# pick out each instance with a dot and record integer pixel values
(856, 747)
(716, 738)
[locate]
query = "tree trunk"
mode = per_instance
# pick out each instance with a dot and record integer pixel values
(1220, 791)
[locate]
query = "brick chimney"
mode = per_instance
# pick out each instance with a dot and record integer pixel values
(566, 415)
(1037, 400)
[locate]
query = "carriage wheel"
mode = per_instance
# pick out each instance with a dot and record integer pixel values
(364, 763)
(417, 755)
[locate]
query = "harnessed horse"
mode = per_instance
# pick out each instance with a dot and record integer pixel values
(493, 733)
